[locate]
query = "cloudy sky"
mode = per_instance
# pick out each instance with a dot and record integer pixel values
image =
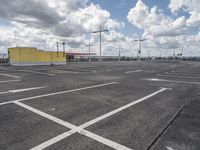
(41, 23)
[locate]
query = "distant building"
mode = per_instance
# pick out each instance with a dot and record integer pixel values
(24, 56)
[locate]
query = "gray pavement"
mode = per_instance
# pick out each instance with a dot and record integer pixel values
(107, 105)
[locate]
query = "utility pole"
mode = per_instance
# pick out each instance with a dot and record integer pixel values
(120, 53)
(100, 32)
(57, 45)
(149, 54)
(89, 46)
(140, 40)
(160, 52)
(51, 58)
(182, 54)
(63, 49)
(174, 53)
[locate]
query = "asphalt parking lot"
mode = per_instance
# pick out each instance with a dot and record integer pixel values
(101, 106)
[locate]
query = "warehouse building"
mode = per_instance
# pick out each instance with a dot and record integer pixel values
(24, 56)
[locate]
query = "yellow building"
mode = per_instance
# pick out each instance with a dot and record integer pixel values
(23, 56)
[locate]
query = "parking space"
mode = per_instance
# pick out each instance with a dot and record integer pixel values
(22, 129)
(85, 105)
(137, 126)
(82, 142)
(187, 130)
(126, 105)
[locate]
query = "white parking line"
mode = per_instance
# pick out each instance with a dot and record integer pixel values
(133, 71)
(54, 140)
(72, 127)
(177, 76)
(182, 74)
(91, 135)
(7, 81)
(8, 75)
(172, 81)
(185, 72)
(23, 90)
(36, 72)
(64, 71)
(62, 92)
(85, 125)
(52, 118)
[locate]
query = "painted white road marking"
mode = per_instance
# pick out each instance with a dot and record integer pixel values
(85, 125)
(5, 103)
(8, 75)
(182, 74)
(64, 71)
(50, 117)
(187, 72)
(73, 128)
(91, 135)
(172, 81)
(135, 71)
(177, 76)
(104, 141)
(7, 81)
(37, 72)
(62, 92)
(169, 148)
(23, 90)
(54, 140)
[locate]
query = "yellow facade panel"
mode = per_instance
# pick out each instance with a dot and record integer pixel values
(32, 56)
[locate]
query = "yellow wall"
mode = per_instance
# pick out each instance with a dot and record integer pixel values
(32, 56)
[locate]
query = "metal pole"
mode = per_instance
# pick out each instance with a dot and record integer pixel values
(100, 32)
(160, 52)
(182, 54)
(63, 49)
(139, 52)
(140, 40)
(51, 58)
(149, 55)
(100, 45)
(119, 54)
(89, 53)
(174, 52)
(57, 48)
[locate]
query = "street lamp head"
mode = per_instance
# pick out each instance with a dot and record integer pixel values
(143, 39)
(105, 30)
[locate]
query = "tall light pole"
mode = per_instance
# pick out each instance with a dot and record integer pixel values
(182, 53)
(57, 45)
(149, 54)
(120, 53)
(89, 46)
(140, 40)
(100, 32)
(63, 49)
(160, 52)
(174, 53)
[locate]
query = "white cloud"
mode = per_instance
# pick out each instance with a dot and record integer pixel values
(168, 28)
(63, 18)
(42, 23)
(190, 6)
(154, 22)
(194, 20)
(166, 32)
